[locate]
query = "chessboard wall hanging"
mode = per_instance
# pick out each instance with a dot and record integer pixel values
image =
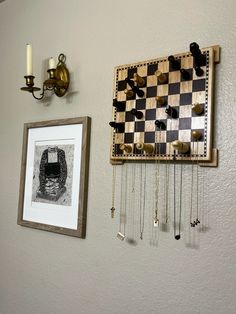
(163, 112)
(163, 108)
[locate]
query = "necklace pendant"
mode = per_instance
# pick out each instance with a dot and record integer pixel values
(120, 236)
(156, 222)
(113, 212)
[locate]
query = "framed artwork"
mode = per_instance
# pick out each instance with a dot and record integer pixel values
(54, 176)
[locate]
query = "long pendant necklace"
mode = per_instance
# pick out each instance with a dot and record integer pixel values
(132, 203)
(142, 204)
(177, 235)
(123, 203)
(180, 200)
(167, 173)
(157, 183)
(113, 191)
(195, 222)
(191, 192)
(166, 190)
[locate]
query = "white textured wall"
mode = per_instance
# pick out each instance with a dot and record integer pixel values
(43, 272)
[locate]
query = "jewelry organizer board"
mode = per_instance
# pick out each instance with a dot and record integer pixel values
(176, 92)
(163, 113)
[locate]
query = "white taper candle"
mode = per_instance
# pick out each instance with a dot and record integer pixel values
(29, 60)
(52, 64)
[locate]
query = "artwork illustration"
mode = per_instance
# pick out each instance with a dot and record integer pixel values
(54, 176)
(53, 173)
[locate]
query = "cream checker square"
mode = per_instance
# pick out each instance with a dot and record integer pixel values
(120, 117)
(130, 104)
(151, 80)
(149, 126)
(160, 137)
(122, 74)
(186, 87)
(150, 103)
(187, 62)
(185, 111)
(173, 100)
(172, 124)
(129, 127)
(185, 135)
(142, 70)
(195, 77)
(197, 148)
(161, 114)
(138, 137)
(198, 123)
(119, 138)
(199, 97)
(174, 77)
(162, 90)
(163, 66)
(121, 96)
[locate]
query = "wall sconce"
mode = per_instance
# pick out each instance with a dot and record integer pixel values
(59, 77)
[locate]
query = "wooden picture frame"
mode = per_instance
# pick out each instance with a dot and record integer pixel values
(54, 176)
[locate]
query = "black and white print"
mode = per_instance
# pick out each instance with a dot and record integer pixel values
(53, 174)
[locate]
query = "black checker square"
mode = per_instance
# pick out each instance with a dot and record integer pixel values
(131, 98)
(190, 71)
(117, 149)
(194, 114)
(149, 137)
(129, 117)
(145, 79)
(171, 69)
(140, 104)
(121, 106)
(163, 125)
(160, 148)
(131, 72)
(152, 68)
(150, 114)
(172, 136)
(167, 79)
(199, 85)
(129, 138)
(139, 126)
(137, 151)
(151, 91)
(185, 123)
(185, 99)
(121, 85)
(201, 139)
(174, 88)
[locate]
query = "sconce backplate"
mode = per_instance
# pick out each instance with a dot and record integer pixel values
(63, 80)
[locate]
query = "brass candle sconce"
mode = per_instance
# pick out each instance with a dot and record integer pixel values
(58, 81)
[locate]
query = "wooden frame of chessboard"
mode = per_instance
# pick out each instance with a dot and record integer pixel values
(176, 92)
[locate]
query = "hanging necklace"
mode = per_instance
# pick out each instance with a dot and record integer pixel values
(113, 191)
(197, 183)
(142, 203)
(167, 173)
(191, 193)
(195, 222)
(131, 239)
(157, 172)
(177, 235)
(166, 190)
(180, 199)
(123, 201)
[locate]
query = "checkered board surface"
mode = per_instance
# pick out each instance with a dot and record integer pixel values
(178, 93)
